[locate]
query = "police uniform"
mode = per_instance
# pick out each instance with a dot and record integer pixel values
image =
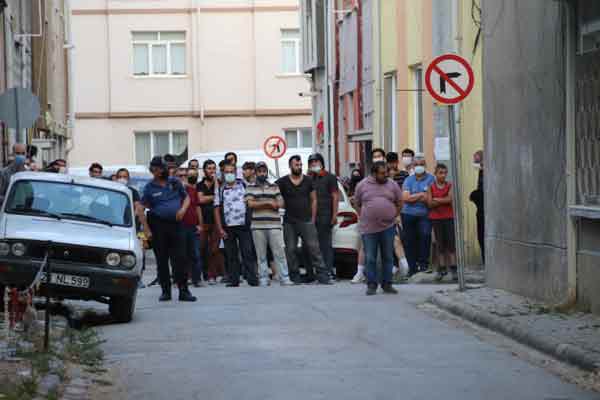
(167, 233)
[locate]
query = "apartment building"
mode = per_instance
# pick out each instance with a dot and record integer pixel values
(186, 76)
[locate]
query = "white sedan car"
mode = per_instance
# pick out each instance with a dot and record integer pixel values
(346, 238)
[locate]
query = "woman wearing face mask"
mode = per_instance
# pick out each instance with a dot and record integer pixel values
(355, 178)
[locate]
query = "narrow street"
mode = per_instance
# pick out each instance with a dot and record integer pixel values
(312, 342)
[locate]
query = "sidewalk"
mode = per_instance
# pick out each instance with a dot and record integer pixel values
(572, 337)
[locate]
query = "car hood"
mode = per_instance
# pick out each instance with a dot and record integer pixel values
(66, 231)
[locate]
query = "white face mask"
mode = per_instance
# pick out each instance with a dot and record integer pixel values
(316, 169)
(378, 160)
(419, 170)
(123, 181)
(229, 178)
(407, 161)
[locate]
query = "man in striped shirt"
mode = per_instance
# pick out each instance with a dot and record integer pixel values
(265, 200)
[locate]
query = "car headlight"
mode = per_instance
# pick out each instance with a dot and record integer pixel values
(4, 249)
(18, 249)
(113, 259)
(128, 260)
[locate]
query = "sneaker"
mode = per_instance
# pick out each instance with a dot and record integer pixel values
(371, 289)
(265, 283)
(454, 273)
(389, 289)
(325, 281)
(287, 282)
(186, 295)
(358, 278)
(212, 281)
(166, 294)
(440, 274)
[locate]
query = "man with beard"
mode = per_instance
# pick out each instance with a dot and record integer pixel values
(328, 198)
(378, 201)
(167, 201)
(209, 237)
(300, 199)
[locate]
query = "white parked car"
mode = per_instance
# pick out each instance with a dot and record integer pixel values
(86, 227)
(346, 238)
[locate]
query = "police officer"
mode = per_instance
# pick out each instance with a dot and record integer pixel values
(167, 201)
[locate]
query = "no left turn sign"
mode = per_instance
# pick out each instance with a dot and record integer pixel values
(449, 79)
(275, 147)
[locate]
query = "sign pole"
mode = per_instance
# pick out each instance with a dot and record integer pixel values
(456, 200)
(277, 168)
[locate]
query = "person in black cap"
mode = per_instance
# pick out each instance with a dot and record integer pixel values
(167, 201)
(328, 198)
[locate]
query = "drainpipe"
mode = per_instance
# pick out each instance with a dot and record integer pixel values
(379, 69)
(69, 47)
(329, 72)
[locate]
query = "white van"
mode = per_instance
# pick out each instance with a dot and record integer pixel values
(256, 156)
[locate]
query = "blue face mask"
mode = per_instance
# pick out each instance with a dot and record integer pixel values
(20, 160)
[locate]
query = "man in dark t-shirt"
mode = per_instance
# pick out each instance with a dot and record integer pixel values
(209, 237)
(328, 198)
(300, 200)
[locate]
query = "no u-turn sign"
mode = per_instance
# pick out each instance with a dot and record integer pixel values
(449, 79)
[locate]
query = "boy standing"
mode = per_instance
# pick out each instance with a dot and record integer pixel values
(439, 200)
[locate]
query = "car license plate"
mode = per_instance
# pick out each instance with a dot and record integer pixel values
(68, 280)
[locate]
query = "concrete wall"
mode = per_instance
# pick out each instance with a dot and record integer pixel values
(525, 148)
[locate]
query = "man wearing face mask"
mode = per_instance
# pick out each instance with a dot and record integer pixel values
(477, 198)
(328, 197)
(377, 155)
(167, 201)
(192, 227)
(265, 201)
(300, 199)
(415, 217)
(233, 221)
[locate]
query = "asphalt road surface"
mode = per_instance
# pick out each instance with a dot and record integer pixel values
(313, 342)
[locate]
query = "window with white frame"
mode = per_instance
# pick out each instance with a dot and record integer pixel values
(159, 53)
(290, 51)
(298, 138)
(158, 143)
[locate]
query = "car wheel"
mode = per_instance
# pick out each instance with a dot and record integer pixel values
(122, 308)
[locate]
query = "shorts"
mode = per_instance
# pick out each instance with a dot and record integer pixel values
(443, 229)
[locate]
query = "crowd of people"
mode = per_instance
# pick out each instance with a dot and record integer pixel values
(221, 223)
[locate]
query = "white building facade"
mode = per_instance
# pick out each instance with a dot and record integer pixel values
(184, 77)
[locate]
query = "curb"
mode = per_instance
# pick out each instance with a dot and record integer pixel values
(562, 351)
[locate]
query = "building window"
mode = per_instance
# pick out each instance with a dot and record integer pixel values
(159, 143)
(417, 73)
(588, 25)
(389, 89)
(299, 138)
(158, 53)
(290, 51)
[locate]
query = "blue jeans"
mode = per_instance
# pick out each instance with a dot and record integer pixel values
(417, 241)
(192, 252)
(384, 242)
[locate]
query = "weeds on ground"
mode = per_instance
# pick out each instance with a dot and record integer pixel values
(76, 347)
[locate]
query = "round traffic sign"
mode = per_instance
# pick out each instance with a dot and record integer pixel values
(275, 147)
(449, 79)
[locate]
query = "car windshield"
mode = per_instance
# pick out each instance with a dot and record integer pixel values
(69, 201)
